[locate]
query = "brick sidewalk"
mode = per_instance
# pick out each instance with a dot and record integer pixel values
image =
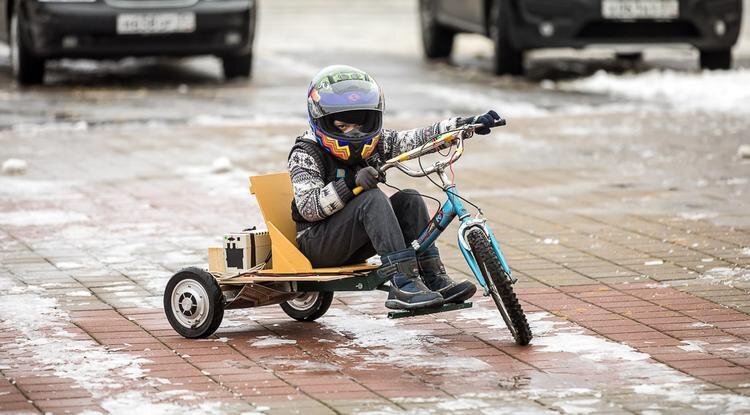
(632, 313)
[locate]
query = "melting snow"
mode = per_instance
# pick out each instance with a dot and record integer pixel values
(221, 165)
(698, 215)
(387, 343)
(692, 346)
(78, 294)
(711, 91)
(40, 217)
(727, 276)
(14, 166)
(270, 341)
(654, 262)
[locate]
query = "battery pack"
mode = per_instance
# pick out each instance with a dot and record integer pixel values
(245, 250)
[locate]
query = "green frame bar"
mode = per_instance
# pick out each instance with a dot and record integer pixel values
(367, 282)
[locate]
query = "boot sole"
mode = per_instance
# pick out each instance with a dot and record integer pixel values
(460, 297)
(400, 305)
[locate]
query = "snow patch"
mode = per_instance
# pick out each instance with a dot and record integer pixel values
(709, 91)
(692, 346)
(52, 127)
(40, 218)
(137, 403)
(462, 404)
(726, 276)
(697, 215)
(14, 166)
(221, 165)
(743, 151)
(654, 262)
(271, 341)
(42, 337)
(79, 294)
(388, 344)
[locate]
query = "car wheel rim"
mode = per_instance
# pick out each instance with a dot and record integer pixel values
(304, 302)
(190, 304)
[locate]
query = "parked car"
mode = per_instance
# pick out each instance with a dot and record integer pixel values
(40, 30)
(516, 26)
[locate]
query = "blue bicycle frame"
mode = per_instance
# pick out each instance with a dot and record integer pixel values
(452, 208)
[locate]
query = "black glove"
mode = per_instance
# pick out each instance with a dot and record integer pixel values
(367, 177)
(488, 120)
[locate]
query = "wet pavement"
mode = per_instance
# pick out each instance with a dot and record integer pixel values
(624, 213)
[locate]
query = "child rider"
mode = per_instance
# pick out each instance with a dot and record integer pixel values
(340, 151)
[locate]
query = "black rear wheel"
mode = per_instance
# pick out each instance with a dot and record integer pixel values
(27, 68)
(508, 59)
(500, 287)
(308, 306)
(193, 303)
(437, 40)
(716, 59)
(237, 66)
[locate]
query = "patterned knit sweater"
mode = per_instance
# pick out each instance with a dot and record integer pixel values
(317, 199)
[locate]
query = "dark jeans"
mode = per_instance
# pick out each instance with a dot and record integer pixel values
(370, 223)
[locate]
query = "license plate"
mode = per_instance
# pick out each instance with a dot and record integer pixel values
(640, 9)
(147, 23)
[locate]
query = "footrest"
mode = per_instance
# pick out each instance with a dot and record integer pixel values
(423, 311)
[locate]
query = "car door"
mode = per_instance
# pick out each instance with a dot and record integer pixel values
(464, 14)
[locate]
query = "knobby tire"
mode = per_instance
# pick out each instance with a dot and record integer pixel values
(500, 287)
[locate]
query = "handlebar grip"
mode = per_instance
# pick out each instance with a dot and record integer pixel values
(357, 190)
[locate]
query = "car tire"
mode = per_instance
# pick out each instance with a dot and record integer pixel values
(27, 69)
(716, 59)
(239, 66)
(437, 40)
(507, 59)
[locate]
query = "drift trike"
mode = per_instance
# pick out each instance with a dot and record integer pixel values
(195, 299)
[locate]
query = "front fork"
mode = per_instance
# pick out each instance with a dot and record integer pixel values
(467, 225)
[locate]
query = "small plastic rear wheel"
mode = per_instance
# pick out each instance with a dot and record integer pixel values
(193, 303)
(308, 306)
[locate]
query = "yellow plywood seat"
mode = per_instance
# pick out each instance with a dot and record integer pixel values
(274, 195)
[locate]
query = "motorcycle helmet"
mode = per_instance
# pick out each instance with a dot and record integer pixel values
(349, 95)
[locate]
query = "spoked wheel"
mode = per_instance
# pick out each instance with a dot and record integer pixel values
(308, 306)
(500, 287)
(193, 303)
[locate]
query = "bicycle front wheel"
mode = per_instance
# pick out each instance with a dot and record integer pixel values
(499, 286)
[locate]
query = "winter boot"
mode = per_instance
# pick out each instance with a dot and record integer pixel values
(434, 275)
(407, 290)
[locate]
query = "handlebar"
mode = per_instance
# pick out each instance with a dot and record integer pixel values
(459, 134)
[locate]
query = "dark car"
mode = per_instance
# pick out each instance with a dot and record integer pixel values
(39, 30)
(515, 26)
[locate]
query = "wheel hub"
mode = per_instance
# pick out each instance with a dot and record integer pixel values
(190, 303)
(304, 301)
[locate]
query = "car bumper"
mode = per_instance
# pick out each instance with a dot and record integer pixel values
(578, 23)
(88, 30)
